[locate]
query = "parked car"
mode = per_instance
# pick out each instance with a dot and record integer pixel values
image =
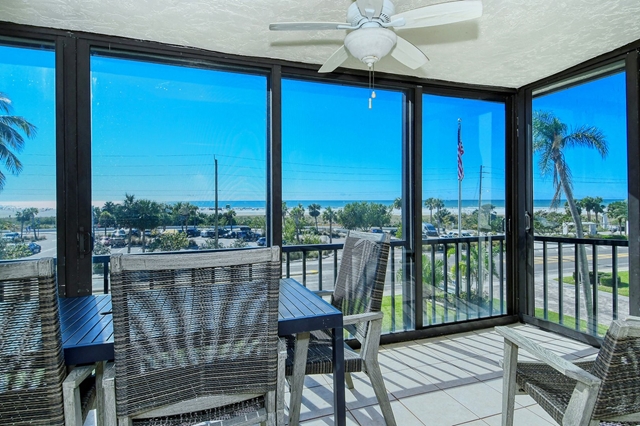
(428, 230)
(191, 232)
(105, 241)
(118, 242)
(262, 241)
(34, 248)
(10, 236)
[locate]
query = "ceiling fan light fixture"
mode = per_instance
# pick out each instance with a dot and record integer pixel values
(369, 45)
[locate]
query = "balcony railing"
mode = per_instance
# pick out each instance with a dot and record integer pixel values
(463, 278)
(559, 296)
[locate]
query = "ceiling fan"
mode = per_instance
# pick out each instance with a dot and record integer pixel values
(370, 37)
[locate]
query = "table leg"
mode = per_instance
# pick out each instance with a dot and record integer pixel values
(338, 378)
(297, 379)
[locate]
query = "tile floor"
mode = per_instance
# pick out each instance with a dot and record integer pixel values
(443, 381)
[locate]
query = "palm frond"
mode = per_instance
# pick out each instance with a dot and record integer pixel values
(5, 103)
(11, 162)
(588, 137)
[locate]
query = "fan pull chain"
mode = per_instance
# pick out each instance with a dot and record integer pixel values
(372, 83)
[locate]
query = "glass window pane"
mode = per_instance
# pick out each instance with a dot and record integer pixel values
(463, 185)
(157, 132)
(580, 191)
(341, 170)
(27, 152)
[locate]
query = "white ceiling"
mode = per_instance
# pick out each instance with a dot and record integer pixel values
(514, 43)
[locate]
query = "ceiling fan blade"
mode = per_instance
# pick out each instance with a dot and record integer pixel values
(440, 14)
(306, 26)
(375, 5)
(335, 60)
(408, 54)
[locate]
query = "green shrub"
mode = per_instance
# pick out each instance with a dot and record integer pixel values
(607, 280)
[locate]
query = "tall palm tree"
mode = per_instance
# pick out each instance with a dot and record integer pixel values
(297, 213)
(229, 218)
(598, 207)
(11, 140)
(430, 203)
(588, 204)
(329, 215)
(314, 212)
(148, 217)
(438, 204)
(551, 138)
(129, 216)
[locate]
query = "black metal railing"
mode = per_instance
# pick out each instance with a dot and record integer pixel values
(463, 278)
(559, 296)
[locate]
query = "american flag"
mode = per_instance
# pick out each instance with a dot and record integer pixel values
(460, 152)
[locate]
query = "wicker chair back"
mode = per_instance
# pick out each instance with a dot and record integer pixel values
(361, 276)
(194, 325)
(618, 365)
(31, 359)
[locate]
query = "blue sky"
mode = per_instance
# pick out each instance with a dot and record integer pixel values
(600, 103)
(156, 129)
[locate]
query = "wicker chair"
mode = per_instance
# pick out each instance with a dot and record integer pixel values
(34, 387)
(196, 339)
(358, 294)
(605, 391)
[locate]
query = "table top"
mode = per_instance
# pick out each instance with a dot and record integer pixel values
(87, 326)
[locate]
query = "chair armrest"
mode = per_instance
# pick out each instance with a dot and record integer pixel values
(565, 367)
(358, 318)
(77, 376)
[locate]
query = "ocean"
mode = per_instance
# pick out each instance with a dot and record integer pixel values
(338, 204)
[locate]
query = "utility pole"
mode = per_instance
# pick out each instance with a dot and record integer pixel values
(215, 162)
(480, 200)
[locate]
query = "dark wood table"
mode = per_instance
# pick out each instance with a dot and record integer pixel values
(87, 331)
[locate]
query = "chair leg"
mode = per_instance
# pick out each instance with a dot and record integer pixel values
(109, 393)
(297, 380)
(377, 382)
(509, 382)
(270, 405)
(100, 393)
(348, 380)
(282, 358)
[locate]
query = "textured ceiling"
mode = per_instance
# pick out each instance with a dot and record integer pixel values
(515, 42)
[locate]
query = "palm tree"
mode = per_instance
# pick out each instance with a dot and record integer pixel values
(297, 213)
(107, 220)
(618, 211)
(397, 203)
(20, 217)
(329, 215)
(148, 217)
(11, 141)
(588, 204)
(129, 215)
(314, 212)
(228, 217)
(551, 138)
(598, 207)
(438, 204)
(430, 203)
